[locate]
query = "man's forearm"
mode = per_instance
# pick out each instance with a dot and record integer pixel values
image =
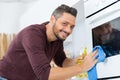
(58, 73)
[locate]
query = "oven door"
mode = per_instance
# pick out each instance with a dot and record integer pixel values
(110, 68)
(108, 36)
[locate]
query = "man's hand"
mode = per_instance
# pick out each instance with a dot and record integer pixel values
(89, 61)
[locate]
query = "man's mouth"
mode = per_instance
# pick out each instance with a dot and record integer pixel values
(64, 34)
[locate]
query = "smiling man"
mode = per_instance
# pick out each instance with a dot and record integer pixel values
(30, 53)
(61, 27)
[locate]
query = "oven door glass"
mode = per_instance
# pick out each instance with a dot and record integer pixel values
(107, 35)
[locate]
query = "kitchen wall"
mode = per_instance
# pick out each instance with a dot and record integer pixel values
(41, 11)
(9, 17)
(10, 13)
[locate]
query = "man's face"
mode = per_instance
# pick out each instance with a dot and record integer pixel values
(105, 33)
(63, 26)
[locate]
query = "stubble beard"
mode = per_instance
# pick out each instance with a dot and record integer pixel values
(56, 35)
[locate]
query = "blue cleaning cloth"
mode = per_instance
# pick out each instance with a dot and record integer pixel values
(92, 74)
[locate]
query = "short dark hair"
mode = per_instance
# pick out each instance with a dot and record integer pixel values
(64, 8)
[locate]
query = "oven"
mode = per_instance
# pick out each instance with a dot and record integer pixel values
(102, 18)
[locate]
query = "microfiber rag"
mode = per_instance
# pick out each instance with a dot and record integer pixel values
(92, 74)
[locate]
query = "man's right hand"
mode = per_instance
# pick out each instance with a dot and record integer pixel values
(89, 61)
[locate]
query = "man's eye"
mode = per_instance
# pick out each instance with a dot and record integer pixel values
(64, 24)
(72, 27)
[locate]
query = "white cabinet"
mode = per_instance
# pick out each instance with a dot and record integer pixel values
(92, 6)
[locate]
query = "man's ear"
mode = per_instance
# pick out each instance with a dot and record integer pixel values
(52, 19)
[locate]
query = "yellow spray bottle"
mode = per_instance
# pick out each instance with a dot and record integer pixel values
(79, 61)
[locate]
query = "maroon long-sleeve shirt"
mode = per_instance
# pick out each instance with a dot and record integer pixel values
(29, 55)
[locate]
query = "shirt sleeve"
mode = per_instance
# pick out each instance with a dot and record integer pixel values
(60, 56)
(33, 43)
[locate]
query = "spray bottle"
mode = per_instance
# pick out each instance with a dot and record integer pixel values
(82, 76)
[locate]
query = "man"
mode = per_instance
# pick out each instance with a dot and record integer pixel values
(30, 53)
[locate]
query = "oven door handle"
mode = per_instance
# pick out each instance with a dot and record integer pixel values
(105, 15)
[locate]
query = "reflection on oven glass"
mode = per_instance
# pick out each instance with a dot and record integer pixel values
(107, 35)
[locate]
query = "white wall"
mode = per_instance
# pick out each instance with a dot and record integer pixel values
(41, 11)
(9, 17)
(10, 13)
